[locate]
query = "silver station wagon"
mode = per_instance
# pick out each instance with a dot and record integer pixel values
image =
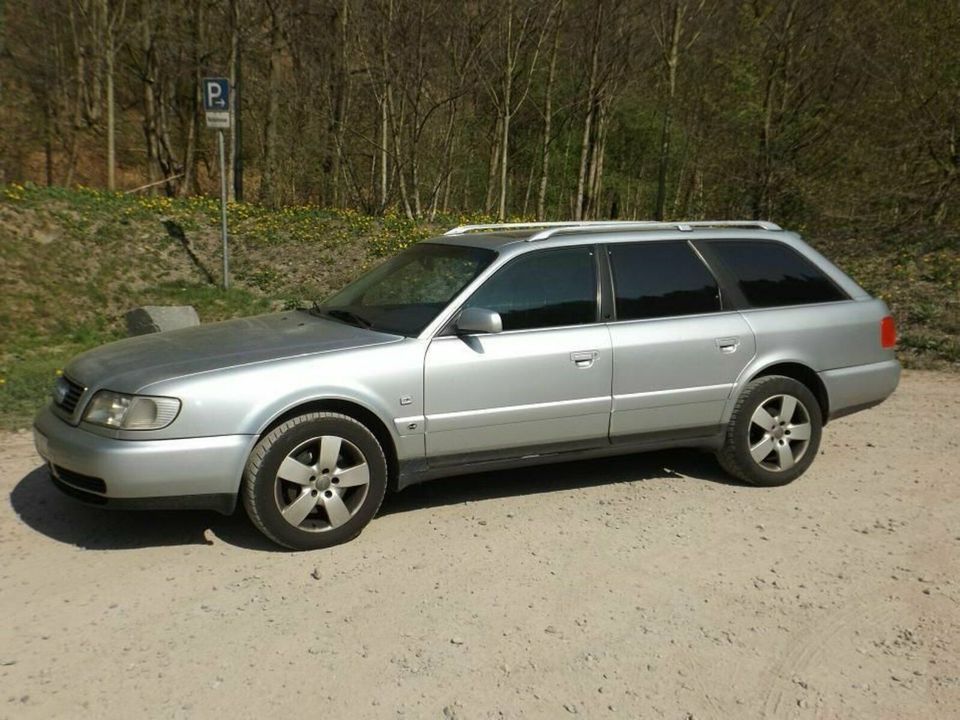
(493, 346)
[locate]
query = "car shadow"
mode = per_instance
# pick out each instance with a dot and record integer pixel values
(555, 477)
(49, 512)
(45, 509)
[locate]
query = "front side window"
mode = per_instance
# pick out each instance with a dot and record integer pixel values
(548, 288)
(404, 294)
(661, 279)
(771, 274)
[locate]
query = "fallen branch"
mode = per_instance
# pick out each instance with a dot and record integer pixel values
(150, 185)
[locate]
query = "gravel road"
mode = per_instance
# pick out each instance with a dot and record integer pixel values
(647, 586)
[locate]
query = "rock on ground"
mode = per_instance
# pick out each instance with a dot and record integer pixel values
(158, 318)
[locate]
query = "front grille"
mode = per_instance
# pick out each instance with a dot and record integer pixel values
(72, 392)
(84, 482)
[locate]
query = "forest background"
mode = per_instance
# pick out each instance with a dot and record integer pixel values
(812, 111)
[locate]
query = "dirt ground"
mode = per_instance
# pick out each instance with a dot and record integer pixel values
(646, 586)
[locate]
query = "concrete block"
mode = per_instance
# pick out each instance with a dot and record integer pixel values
(157, 318)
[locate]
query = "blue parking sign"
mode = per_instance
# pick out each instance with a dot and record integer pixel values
(216, 94)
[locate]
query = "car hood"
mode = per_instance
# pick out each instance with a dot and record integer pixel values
(131, 364)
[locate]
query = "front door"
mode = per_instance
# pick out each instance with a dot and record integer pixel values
(541, 385)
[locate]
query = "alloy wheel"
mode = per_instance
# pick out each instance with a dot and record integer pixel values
(322, 483)
(779, 433)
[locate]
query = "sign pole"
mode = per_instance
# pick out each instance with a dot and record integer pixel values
(216, 106)
(223, 212)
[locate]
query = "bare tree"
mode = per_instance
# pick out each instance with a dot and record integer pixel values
(521, 32)
(548, 116)
(268, 189)
(670, 26)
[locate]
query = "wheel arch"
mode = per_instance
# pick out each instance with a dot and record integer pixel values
(803, 374)
(358, 412)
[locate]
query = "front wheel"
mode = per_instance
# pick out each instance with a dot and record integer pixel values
(315, 481)
(774, 432)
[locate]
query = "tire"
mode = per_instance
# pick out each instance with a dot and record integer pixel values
(764, 448)
(314, 481)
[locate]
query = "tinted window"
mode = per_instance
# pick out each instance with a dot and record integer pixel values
(660, 279)
(771, 273)
(543, 289)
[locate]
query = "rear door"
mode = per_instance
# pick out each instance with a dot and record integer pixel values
(677, 349)
(541, 385)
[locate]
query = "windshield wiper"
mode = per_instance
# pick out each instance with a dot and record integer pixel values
(345, 315)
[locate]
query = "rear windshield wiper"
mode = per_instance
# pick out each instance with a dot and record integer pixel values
(345, 315)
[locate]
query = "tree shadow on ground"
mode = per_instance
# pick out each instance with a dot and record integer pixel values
(49, 512)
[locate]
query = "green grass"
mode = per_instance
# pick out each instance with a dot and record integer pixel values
(30, 366)
(917, 273)
(33, 360)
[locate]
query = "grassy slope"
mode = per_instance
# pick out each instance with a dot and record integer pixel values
(73, 261)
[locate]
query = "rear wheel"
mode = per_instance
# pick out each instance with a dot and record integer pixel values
(774, 432)
(315, 481)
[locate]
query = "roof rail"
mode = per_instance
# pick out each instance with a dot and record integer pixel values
(653, 225)
(549, 229)
(463, 229)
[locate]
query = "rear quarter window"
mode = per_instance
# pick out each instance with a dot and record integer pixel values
(771, 274)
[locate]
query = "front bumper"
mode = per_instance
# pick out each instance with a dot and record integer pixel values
(184, 473)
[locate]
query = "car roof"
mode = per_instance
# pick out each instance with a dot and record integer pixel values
(498, 236)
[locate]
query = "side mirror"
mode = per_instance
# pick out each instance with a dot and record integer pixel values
(479, 320)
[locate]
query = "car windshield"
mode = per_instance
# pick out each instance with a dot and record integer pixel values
(405, 293)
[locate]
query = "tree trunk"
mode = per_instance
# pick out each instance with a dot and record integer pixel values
(448, 183)
(547, 121)
(233, 139)
(48, 142)
(268, 190)
(396, 116)
(671, 60)
(188, 185)
(446, 166)
(114, 26)
(504, 145)
(505, 112)
(492, 168)
(384, 129)
(341, 94)
(578, 206)
(149, 103)
(111, 118)
(762, 196)
(384, 149)
(596, 162)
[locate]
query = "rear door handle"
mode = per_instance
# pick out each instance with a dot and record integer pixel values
(728, 345)
(584, 358)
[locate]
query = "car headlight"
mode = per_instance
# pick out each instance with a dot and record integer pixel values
(131, 412)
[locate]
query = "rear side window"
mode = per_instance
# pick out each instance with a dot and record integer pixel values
(771, 274)
(661, 279)
(549, 288)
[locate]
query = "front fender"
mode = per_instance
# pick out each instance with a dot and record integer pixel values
(385, 380)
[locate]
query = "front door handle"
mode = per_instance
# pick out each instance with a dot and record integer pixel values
(728, 345)
(584, 358)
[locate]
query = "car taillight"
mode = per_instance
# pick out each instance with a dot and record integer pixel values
(888, 332)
